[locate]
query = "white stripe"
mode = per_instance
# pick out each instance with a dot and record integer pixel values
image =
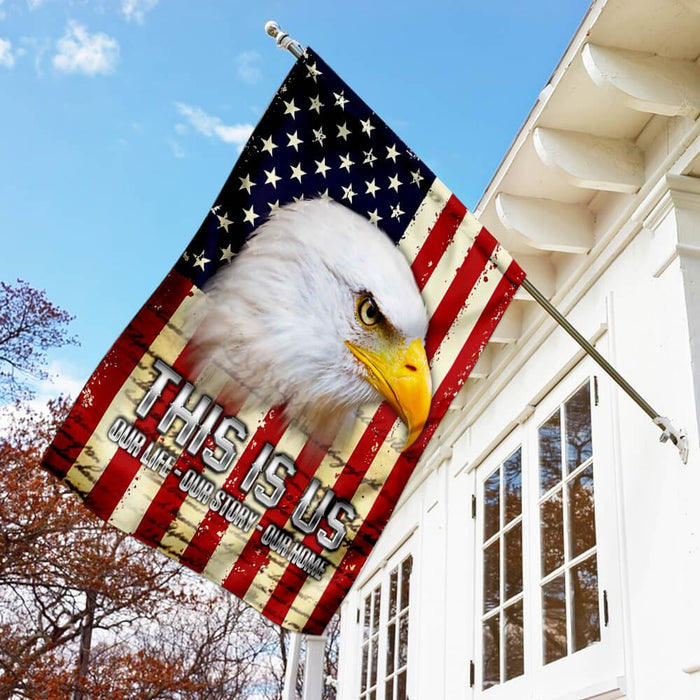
(467, 318)
(363, 499)
(146, 484)
(192, 513)
(229, 549)
(234, 540)
(95, 456)
(451, 260)
(423, 220)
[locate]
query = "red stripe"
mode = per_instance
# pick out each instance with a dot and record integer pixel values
(457, 293)
(113, 371)
(345, 486)
(437, 240)
(210, 531)
(122, 468)
(381, 510)
(255, 555)
(164, 507)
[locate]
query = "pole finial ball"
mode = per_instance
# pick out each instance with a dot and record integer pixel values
(272, 28)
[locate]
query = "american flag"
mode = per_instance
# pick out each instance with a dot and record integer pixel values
(317, 139)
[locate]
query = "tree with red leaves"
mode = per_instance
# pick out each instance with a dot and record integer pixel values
(85, 610)
(30, 325)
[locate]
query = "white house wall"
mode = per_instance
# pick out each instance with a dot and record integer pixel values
(636, 295)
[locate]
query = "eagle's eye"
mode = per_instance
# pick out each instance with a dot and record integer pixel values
(367, 311)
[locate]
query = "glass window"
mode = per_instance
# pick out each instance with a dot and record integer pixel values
(397, 631)
(385, 629)
(540, 503)
(502, 556)
(569, 570)
(370, 644)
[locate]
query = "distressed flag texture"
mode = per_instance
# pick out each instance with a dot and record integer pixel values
(317, 139)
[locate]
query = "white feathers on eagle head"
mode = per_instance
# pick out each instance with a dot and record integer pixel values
(320, 312)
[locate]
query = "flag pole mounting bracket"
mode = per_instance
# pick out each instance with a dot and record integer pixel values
(283, 40)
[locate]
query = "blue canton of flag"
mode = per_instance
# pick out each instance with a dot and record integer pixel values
(317, 139)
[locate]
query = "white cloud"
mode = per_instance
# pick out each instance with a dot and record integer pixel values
(62, 380)
(81, 52)
(39, 48)
(213, 127)
(3, 14)
(7, 58)
(136, 9)
(34, 4)
(248, 66)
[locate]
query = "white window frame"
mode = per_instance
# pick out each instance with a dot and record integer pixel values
(514, 689)
(601, 664)
(382, 577)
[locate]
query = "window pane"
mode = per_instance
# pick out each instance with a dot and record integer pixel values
(581, 512)
(514, 657)
(513, 486)
(374, 643)
(365, 656)
(492, 501)
(390, 648)
(365, 625)
(406, 568)
(403, 640)
(491, 653)
(550, 453)
(552, 523)
(584, 608)
(393, 589)
(375, 612)
(389, 689)
(514, 561)
(492, 582)
(554, 619)
(401, 694)
(579, 446)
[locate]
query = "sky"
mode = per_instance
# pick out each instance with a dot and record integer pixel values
(121, 119)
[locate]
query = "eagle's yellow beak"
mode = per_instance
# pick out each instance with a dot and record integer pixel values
(402, 376)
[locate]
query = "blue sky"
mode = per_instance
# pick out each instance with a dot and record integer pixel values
(121, 119)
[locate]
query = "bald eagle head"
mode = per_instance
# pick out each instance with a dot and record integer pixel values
(320, 312)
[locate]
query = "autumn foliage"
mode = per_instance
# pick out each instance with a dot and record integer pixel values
(29, 326)
(85, 611)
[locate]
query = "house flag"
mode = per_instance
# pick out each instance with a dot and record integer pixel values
(260, 416)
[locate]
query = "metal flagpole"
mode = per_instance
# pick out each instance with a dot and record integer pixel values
(677, 437)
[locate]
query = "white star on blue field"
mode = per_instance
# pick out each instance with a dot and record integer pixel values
(122, 119)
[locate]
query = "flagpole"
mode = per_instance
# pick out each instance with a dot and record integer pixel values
(677, 437)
